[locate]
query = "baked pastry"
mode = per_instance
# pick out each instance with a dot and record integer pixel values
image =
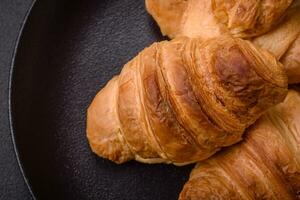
(271, 24)
(180, 101)
(284, 42)
(266, 165)
(211, 18)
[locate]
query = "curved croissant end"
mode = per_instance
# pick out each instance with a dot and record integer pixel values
(168, 14)
(266, 165)
(181, 101)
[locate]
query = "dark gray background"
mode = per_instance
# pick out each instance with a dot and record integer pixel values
(12, 13)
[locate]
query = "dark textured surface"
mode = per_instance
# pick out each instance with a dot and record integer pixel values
(12, 185)
(67, 53)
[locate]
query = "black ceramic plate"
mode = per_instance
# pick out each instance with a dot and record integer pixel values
(67, 51)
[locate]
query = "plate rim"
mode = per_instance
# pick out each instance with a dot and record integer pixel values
(9, 99)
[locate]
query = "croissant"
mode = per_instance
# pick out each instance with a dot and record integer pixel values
(272, 24)
(284, 42)
(266, 165)
(180, 101)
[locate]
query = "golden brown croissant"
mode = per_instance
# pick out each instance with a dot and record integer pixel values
(284, 42)
(277, 20)
(180, 101)
(210, 18)
(266, 165)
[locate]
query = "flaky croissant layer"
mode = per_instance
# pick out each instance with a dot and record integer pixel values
(271, 24)
(266, 165)
(180, 101)
(210, 18)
